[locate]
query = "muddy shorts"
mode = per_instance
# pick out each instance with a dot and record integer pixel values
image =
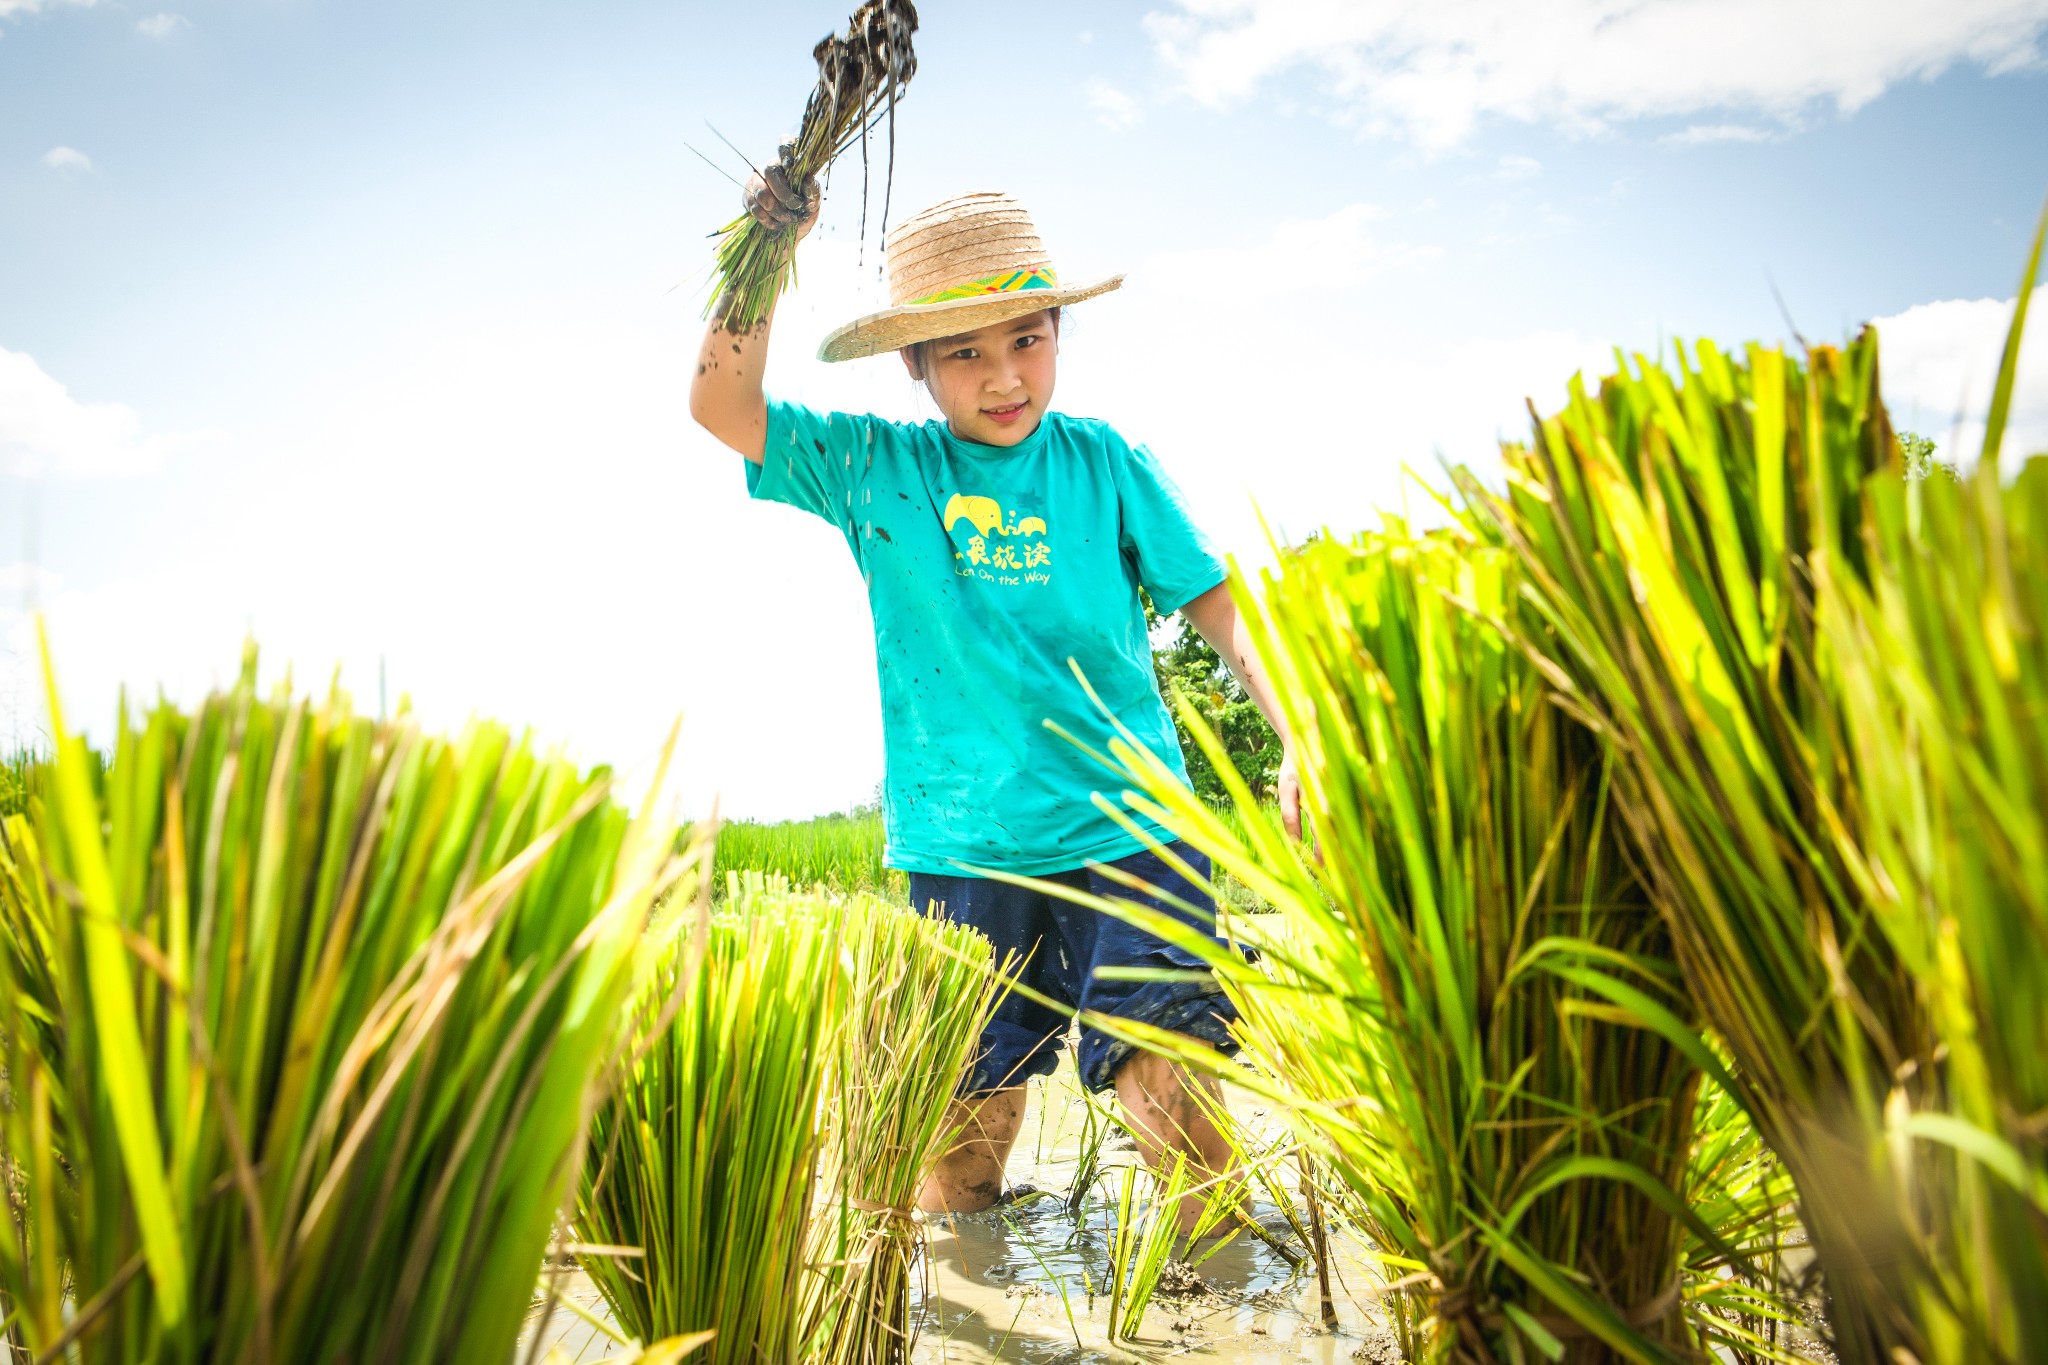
(1062, 945)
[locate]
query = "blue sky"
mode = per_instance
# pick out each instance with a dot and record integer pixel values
(366, 326)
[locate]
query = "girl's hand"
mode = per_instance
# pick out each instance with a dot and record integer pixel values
(1287, 782)
(775, 202)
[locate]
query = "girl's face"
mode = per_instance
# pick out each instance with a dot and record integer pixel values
(993, 385)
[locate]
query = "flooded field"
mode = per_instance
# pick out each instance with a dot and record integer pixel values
(1026, 1282)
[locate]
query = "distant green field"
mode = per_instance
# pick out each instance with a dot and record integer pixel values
(14, 780)
(843, 852)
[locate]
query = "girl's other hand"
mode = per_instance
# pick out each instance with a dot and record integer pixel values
(1287, 782)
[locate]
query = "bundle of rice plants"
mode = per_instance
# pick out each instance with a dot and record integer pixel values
(918, 993)
(301, 1015)
(1940, 659)
(755, 1176)
(1693, 542)
(861, 74)
(704, 1157)
(1465, 994)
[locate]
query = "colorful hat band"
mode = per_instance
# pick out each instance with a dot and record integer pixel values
(1010, 282)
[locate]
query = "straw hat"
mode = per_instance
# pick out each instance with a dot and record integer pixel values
(969, 262)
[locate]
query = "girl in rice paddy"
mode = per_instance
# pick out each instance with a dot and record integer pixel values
(1004, 548)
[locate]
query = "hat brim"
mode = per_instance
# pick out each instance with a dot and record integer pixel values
(894, 328)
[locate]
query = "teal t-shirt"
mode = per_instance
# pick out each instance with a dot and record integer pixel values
(987, 569)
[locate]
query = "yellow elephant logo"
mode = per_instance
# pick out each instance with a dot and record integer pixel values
(1031, 526)
(985, 513)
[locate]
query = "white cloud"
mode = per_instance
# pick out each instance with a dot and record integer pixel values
(1701, 134)
(161, 25)
(1517, 168)
(1336, 252)
(10, 8)
(1939, 361)
(67, 159)
(1430, 71)
(25, 580)
(44, 430)
(1114, 109)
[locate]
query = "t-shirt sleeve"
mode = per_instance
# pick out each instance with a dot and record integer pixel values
(1175, 561)
(810, 460)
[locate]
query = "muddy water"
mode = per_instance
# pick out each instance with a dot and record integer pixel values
(1023, 1283)
(1014, 1284)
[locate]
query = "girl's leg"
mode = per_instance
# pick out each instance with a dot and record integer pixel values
(969, 1177)
(1167, 1118)
(1021, 1041)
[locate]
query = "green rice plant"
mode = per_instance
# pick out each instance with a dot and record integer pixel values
(1146, 1231)
(1223, 1206)
(1740, 594)
(1465, 995)
(301, 1015)
(918, 991)
(1100, 1125)
(705, 1155)
(1940, 658)
(838, 852)
(861, 75)
(1319, 1237)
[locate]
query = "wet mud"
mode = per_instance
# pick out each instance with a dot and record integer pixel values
(1027, 1281)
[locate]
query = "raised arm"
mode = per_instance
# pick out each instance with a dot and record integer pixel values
(726, 398)
(1215, 615)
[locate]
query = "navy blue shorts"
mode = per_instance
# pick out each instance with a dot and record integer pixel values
(1061, 945)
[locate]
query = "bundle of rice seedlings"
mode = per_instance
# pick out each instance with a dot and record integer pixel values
(1467, 998)
(1940, 658)
(755, 1176)
(1697, 544)
(918, 992)
(861, 74)
(300, 1017)
(704, 1157)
